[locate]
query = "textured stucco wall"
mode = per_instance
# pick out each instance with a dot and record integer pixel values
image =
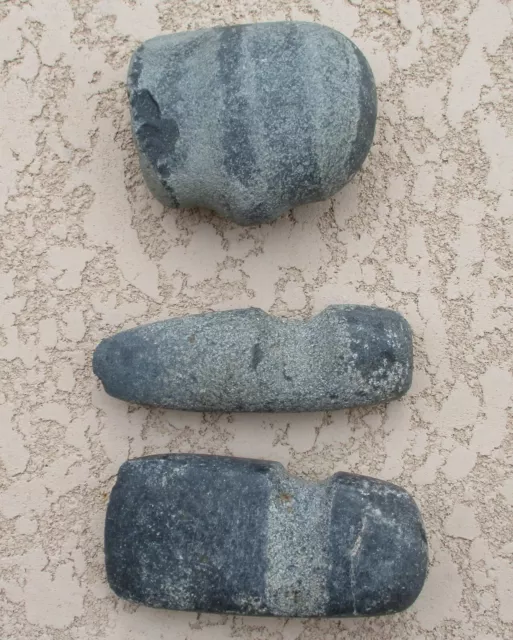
(425, 228)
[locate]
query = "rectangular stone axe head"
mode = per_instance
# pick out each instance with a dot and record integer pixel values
(231, 535)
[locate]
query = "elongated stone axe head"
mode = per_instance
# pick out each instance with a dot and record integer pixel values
(247, 360)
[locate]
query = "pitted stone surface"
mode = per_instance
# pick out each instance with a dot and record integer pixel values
(251, 120)
(247, 360)
(232, 535)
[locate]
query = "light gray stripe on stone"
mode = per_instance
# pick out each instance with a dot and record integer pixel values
(298, 547)
(201, 134)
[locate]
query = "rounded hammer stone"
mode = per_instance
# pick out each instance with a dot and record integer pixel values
(247, 360)
(251, 120)
(231, 535)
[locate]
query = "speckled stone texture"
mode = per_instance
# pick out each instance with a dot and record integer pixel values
(251, 120)
(248, 360)
(232, 535)
(425, 227)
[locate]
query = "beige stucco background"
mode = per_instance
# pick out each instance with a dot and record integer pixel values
(425, 228)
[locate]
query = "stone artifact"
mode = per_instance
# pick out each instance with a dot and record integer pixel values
(230, 535)
(247, 360)
(251, 120)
